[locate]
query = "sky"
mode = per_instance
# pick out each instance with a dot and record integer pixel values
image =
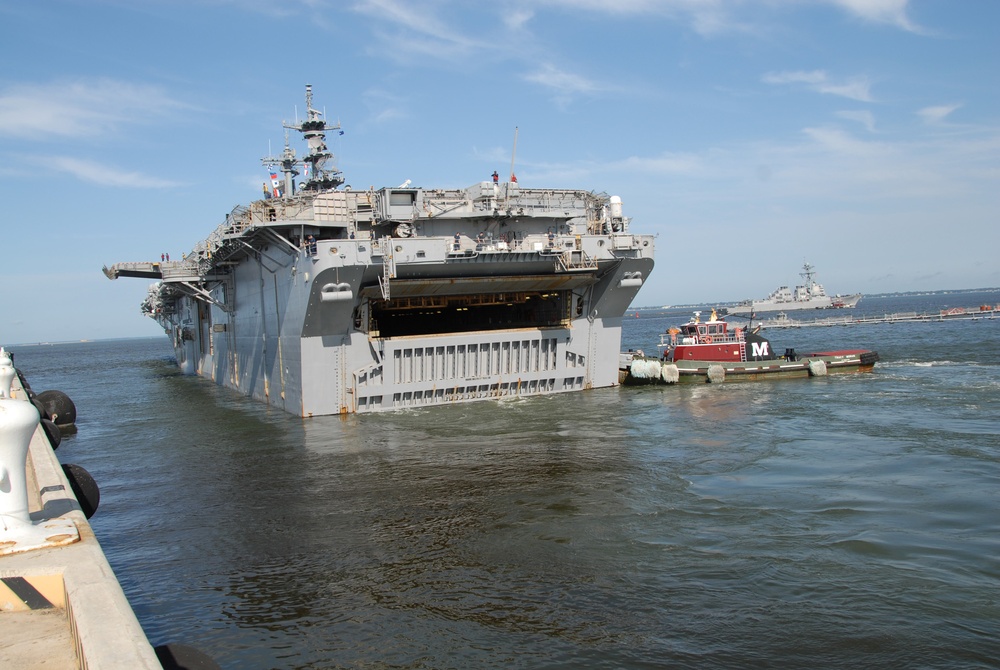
(749, 136)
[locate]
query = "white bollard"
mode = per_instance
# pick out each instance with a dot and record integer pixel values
(7, 373)
(18, 421)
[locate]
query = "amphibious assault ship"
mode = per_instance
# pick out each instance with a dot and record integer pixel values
(319, 299)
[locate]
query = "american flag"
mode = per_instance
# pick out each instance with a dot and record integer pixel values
(275, 184)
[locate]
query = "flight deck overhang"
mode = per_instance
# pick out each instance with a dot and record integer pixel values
(141, 270)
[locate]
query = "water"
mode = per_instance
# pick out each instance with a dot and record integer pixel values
(839, 522)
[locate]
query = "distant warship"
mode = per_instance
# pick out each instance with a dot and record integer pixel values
(321, 300)
(809, 295)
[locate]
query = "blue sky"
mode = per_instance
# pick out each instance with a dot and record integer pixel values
(862, 136)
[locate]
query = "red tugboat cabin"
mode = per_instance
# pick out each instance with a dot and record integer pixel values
(713, 340)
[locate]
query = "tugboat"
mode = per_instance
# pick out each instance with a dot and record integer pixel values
(715, 351)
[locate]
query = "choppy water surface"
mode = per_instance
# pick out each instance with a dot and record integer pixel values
(839, 522)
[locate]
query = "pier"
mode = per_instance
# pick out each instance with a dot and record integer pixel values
(955, 314)
(61, 605)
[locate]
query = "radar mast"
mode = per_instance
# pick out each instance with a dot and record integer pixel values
(313, 129)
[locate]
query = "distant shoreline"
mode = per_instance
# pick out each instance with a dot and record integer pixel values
(894, 294)
(85, 341)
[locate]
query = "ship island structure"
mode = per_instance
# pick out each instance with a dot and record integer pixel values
(319, 299)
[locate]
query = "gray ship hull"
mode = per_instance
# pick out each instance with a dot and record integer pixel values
(283, 344)
(824, 302)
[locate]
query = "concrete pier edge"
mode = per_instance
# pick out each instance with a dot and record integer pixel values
(101, 630)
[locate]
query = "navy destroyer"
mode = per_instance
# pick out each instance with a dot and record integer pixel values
(319, 299)
(808, 295)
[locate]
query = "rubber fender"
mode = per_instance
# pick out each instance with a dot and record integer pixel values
(670, 373)
(53, 433)
(61, 409)
(182, 657)
(817, 368)
(42, 411)
(84, 488)
(25, 385)
(643, 369)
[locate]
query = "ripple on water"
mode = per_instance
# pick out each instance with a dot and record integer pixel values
(839, 522)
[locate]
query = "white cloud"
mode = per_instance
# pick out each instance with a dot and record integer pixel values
(86, 108)
(384, 106)
(838, 141)
(937, 114)
(864, 117)
(564, 82)
(799, 77)
(517, 19)
(667, 164)
(706, 17)
(670, 165)
(825, 166)
(855, 88)
(96, 173)
(424, 33)
(713, 17)
(492, 154)
(405, 31)
(892, 12)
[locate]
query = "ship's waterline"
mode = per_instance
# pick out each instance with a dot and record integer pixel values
(322, 301)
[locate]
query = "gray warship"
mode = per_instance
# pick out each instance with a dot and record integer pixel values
(808, 295)
(319, 299)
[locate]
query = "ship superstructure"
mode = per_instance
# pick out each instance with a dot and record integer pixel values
(323, 300)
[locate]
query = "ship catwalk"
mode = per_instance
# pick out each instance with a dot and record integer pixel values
(322, 300)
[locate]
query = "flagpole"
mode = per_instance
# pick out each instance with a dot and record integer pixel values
(510, 180)
(513, 154)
